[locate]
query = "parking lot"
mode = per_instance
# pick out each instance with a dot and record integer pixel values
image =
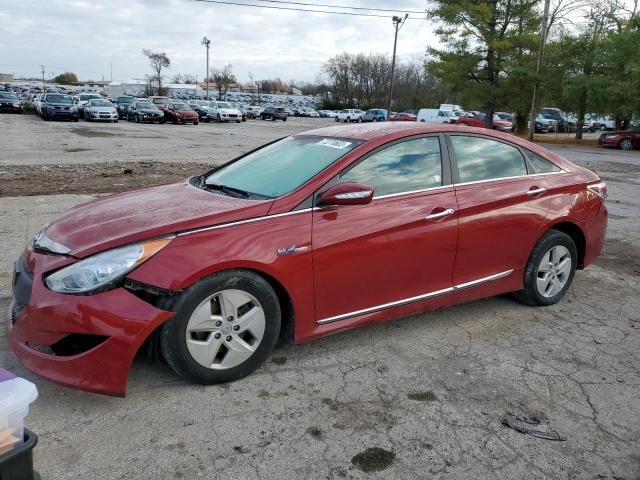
(422, 397)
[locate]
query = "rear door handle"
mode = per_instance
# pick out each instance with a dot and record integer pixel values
(536, 191)
(442, 214)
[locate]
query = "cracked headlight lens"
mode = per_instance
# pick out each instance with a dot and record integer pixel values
(100, 270)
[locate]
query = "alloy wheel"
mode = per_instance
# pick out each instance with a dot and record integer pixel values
(554, 271)
(626, 144)
(225, 329)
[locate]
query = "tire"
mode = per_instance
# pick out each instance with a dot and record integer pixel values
(284, 119)
(359, 119)
(273, 118)
(375, 119)
(115, 121)
(348, 120)
(626, 144)
(337, 119)
(75, 119)
(219, 119)
(183, 351)
(238, 121)
(550, 252)
(138, 118)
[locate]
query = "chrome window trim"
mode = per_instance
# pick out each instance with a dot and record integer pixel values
(410, 192)
(508, 178)
(242, 222)
(424, 296)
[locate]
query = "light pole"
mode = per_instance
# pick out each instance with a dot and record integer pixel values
(397, 24)
(206, 42)
(536, 85)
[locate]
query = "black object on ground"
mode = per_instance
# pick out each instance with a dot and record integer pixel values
(525, 425)
(17, 463)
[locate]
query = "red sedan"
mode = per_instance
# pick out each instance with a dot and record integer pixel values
(312, 234)
(404, 117)
(623, 139)
(180, 113)
(477, 119)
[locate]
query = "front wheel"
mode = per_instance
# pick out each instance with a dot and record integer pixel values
(225, 327)
(550, 270)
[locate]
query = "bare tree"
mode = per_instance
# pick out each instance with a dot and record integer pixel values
(223, 78)
(158, 61)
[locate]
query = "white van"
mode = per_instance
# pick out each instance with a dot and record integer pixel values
(435, 115)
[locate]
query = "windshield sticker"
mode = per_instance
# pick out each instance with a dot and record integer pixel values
(334, 143)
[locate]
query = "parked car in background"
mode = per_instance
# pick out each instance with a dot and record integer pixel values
(254, 111)
(231, 263)
(56, 106)
(160, 102)
(274, 113)
(99, 109)
(312, 113)
(83, 99)
(544, 125)
(564, 123)
(201, 107)
(143, 111)
(375, 115)
(327, 113)
(349, 115)
(593, 123)
(224, 112)
(404, 117)
(478, 120)
(241, 108)
(180, 112)
(10, 103)
(122, 104)
(623, 139)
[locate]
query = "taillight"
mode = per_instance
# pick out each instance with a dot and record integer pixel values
(600, 189)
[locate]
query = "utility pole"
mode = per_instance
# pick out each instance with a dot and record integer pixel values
(206, 42)
(536, 85)
(397, 24)
(42, 68)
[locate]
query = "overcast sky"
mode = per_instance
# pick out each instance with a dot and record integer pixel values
(86, 36)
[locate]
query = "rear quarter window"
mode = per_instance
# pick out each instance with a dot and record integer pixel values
(541, 165)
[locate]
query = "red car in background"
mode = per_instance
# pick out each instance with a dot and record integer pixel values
(180, 112)
(160, 102)
(403, 117)
(477, 119)
(312, 234)
(623, 139)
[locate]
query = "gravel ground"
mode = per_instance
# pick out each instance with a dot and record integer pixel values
(422, 397)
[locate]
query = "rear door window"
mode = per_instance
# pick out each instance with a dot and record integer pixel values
(481, 158)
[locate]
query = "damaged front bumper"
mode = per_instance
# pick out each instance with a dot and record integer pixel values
(82, 341)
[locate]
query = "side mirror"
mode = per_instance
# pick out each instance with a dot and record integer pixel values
(349, 193)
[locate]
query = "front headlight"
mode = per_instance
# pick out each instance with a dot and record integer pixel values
(104, 268)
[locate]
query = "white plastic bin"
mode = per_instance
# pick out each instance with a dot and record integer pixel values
(16, 394)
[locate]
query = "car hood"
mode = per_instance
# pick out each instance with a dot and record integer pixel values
(102, 109)
(229, 111)
(147, 213)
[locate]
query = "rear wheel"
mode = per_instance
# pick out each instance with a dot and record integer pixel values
(626, 144)
(225, 327)
(550, 269)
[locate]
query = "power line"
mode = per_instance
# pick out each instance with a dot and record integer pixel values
(345, 7)
(273, 7)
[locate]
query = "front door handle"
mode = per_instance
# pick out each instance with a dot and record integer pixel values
(442, 214)
(536, 191)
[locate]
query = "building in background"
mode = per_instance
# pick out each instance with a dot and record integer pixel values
(128, 87)
(6, 77)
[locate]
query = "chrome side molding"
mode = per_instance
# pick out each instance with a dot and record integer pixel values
(417, 298)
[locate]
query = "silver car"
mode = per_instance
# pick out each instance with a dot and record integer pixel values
(100, 109)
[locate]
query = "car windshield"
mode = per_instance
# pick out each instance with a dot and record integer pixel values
(142, 105)
(203, 103)
(124, 99)
(100, 103)
(283, 166)
(224, 105)
(59, 99)
(84, 98)
(161, 101)
(8, 96)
